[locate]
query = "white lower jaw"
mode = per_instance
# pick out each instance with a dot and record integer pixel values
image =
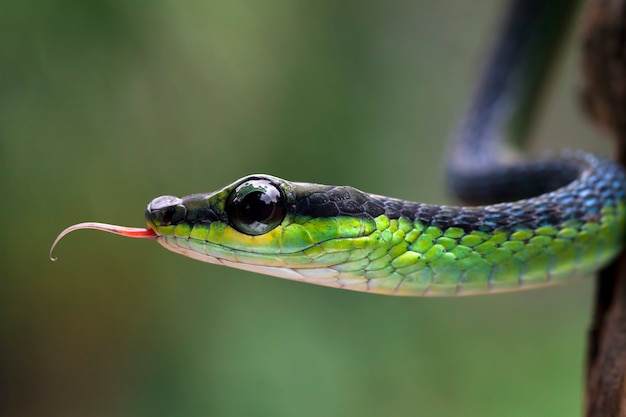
(323, 276)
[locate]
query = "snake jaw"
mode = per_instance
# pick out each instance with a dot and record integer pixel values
(134, 232)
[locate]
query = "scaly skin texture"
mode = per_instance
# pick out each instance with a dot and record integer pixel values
(342, 237)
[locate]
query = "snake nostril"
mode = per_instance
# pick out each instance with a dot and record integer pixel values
(171, 215)
(166, 210)
(167, 215)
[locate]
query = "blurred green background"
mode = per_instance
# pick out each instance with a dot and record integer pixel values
(106, 104)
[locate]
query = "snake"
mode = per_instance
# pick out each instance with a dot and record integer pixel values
(528, 223)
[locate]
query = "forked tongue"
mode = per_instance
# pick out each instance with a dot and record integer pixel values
(136, 232)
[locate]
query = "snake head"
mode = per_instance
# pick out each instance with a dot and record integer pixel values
(266, 224)
(252, 206)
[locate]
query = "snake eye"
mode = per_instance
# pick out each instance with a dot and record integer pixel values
(255, 207)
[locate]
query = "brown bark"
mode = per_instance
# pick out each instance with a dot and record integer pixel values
(604, 68)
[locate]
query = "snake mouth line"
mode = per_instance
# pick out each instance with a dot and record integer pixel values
(165, 240)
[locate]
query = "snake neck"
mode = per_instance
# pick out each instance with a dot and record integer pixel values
(585, 185)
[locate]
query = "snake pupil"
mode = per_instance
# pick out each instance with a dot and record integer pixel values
(255, 207)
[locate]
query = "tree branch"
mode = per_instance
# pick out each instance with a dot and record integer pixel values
(604, 96)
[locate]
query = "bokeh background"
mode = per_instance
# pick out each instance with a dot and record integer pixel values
(107, 104)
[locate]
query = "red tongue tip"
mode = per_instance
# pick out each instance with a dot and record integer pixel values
(134, 232)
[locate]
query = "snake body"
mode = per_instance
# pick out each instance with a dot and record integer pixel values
(342, 237)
